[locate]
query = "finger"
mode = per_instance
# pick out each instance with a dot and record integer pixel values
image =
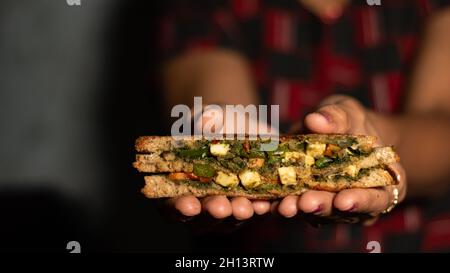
(218, 206)
(316, 202)
(186, 205)
(261, 207)
(274, 207)
(399, 174)
(371, 201)
(328, 119)
(288, 206)
(242, 208)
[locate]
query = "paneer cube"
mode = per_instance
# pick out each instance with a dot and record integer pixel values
(309, 161)
(315, 149)
(226, 179)
(219, 149)
(293, 156)
(250, 179)
(287, 175)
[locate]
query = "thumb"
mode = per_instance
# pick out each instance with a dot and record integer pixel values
(329, 119)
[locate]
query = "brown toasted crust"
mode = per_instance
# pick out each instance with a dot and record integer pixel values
(153, 144)
(159, 186)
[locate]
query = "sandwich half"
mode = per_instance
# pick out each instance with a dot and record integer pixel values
(202, 167)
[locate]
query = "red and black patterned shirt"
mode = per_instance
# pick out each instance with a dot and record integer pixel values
(297, 60)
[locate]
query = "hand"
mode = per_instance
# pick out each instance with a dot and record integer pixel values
(336, 114)
(345, 115)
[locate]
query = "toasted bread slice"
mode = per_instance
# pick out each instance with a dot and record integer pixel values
(157, 144)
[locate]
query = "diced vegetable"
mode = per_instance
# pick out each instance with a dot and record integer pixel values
(255, 162)
(192, 176)
(246, 146)
(323, 162)
(331, 150)
(178, 176)
(205, 179)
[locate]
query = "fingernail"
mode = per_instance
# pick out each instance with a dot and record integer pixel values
(318, 209)
(325, 115)
(351, 209)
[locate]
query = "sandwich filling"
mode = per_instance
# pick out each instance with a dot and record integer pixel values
(241, 163)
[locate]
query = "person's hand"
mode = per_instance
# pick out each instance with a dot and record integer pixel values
(345, 115)
(336, 114)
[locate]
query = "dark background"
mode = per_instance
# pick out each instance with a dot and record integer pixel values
(77, 87)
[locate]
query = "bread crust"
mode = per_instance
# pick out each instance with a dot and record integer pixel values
(154, 144)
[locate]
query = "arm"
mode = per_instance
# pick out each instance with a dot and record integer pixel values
(219, 76)
(421, 135)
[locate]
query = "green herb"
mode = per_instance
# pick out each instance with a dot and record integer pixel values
(296, 146)
(346, 142)
(204, 170)
(323, 162)
(193, 153)
(237, 149)
(274, 160)
(256, 153)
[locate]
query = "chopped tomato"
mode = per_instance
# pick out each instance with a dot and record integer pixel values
(182, 176)
(246, 146)
(331, 150)
(255, 162)
(177, 176)
(205, 179)
(192, 176)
